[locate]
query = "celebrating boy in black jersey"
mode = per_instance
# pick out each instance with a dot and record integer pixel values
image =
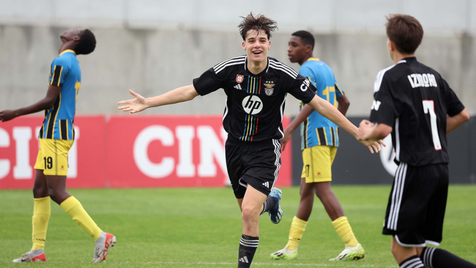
(256, 86)
(415, 104)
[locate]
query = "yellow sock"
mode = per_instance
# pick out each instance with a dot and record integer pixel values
(81, 217)
(344, 230)
(41, 216)
(298, 227)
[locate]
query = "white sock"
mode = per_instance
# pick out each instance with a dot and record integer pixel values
(102, 238)
(37, 252)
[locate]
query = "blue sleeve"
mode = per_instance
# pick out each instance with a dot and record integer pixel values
(339, 91)
(308, 73)
(58, 72)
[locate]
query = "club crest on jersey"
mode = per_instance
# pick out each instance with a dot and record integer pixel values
(269, 88)
(239, 78)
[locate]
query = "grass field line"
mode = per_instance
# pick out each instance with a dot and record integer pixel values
(286, 264)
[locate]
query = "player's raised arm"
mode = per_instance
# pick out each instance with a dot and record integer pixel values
(305, 113)
(140, 103)
(373, 132)
(330, 112)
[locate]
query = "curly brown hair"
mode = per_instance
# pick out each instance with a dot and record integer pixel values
(258, 22)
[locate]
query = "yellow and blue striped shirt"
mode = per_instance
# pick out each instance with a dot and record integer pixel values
(316, 129)
(65, 73)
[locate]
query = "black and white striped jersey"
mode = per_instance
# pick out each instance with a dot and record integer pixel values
(414, 99)
(255, 103)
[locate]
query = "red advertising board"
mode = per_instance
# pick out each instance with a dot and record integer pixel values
(128, 151)
(19, 149)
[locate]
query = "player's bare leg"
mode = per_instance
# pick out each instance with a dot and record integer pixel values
(40, 187)
(329, 200)
(240, 202)
(270, 205)
(306, 202)
(406, 255)
(401, 253)
(57, 188)
(251, 208)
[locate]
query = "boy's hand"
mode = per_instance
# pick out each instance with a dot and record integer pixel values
(7, 115)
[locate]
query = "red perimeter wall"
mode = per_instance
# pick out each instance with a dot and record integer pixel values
(128, 152)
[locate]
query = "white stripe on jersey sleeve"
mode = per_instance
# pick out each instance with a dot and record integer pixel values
(233, 61)
(280, 64)
(227, 65)
(286, 69)
(378, 80)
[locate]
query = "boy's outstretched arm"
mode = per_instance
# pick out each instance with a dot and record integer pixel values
(47, 102)
(330, 112)
(140, 103)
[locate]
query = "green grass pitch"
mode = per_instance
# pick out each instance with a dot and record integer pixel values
(201, 227)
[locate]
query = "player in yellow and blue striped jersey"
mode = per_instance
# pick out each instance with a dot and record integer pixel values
(316, 129)
(56, 138)
(319, 142)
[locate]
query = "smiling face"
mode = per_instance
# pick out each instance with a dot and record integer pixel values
(256, 45)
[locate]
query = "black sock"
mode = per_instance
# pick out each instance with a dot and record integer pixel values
(440, 258)
(248, 246)
(270, 203)
(412, 262)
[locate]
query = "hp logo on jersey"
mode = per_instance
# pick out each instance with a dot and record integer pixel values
(252, 104)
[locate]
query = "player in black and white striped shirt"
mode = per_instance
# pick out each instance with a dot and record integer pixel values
(256, 86)
(415, 104)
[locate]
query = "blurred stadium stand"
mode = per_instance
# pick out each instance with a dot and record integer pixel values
(153, 46)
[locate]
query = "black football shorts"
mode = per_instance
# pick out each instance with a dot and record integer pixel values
(252, 163)
(417, 203)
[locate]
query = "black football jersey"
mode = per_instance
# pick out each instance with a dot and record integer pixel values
(255, 103)
(414, 99)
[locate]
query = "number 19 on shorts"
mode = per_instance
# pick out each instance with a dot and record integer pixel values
(48, 162)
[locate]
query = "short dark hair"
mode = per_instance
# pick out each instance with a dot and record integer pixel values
(306, 37)
(259, 22)
(87, 43)
(405, 32)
